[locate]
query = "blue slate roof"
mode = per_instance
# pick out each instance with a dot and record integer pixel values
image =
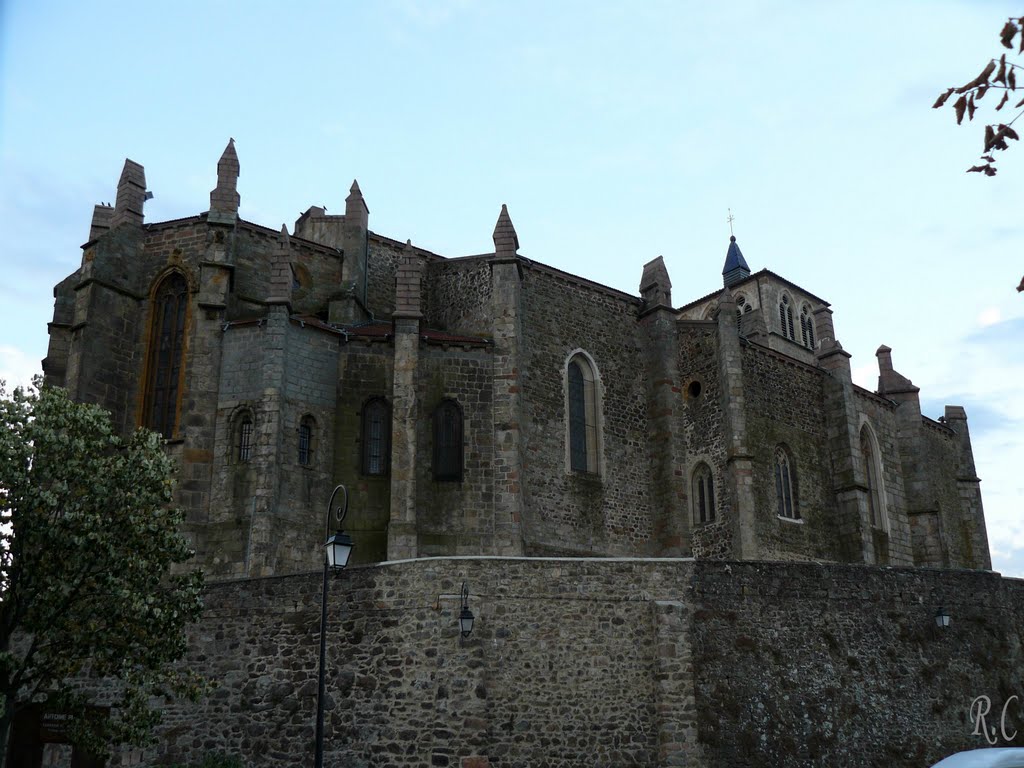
(734, 259)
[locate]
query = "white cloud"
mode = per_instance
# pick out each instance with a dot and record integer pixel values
(16, 367)
(989, 316)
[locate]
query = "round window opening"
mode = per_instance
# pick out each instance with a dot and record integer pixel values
(694, 389)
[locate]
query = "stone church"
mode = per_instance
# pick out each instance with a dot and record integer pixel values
(492, 405)
(688, 538)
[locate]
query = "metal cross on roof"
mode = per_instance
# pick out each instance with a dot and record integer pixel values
(730, 220)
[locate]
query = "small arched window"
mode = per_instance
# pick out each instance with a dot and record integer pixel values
(376, 437)
(872, 478)
(703, 496)
(448, 441)
(244, 439)
(166, 354)
(583, 410)
(786, 318)
(807, 327)
(784, 485)
(306, 433)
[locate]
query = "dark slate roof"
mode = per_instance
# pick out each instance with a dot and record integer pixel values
(734, 259)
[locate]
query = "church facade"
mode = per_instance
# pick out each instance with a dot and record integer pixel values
(493, 405)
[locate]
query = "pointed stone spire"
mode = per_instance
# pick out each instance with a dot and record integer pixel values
(655, 286)
(282, 275)
(355, 205)
(354, 244)
(506, 242)
(131, 195)
(736, 269)
(224, 199)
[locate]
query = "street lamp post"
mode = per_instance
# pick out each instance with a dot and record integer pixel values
(338, 549)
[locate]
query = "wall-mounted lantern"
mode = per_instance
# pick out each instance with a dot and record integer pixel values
(465, 616)
(941, 618)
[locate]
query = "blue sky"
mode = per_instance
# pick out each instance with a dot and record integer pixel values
(615, 133)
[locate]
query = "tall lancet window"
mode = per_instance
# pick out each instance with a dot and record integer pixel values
(166, 355)
(807, 327)
(376, 437)
(786, 318)
(872, 477)
(584, 435)
(703, 495)
(448, 441)
(784, 496)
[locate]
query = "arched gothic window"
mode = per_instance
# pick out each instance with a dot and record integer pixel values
(166, 355)
(807, 327)
(306, 433)
(584, 435)
(376, 437)
(703, 496)
(784, 485)
(872, 477)
(244, 438)
(786, 318)
(448, 441)
(742, 307)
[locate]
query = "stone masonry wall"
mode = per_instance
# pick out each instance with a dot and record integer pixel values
(573, 512)
(455, 517)
(937, 480)
(365, 372)
(893, 545)
(458, 296)
(568, 665)
(583, 662)
(699, 425)
(785, 405)
(808, 665)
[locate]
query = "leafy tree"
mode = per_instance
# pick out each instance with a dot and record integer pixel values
(88, 539)
(1000, 76)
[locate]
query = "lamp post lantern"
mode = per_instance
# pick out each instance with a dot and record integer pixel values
(338, 549)
(465, 616)
(942, 618)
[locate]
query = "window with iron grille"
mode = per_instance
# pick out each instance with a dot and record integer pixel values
(306, 441)
(448, 441)
(245, 439)
(376, 437)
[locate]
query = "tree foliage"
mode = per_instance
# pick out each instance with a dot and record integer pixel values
(999, 76)
(88, 538)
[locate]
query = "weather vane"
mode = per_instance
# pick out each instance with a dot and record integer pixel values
(730, 220)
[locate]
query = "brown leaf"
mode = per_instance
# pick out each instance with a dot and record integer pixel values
(970, 108)
(1008, 132)
(1019, 104)
(980, 79)
(980, 93)
(1001, 74)
(1002, 101)
(942, 99)
(1011, 79)
(960, 106)
(988, 158)
(990, 138)
(1006, 36)
(976, 169)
